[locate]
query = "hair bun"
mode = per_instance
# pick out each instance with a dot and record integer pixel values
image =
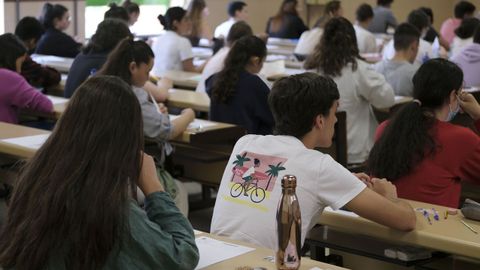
(112, 5)
(162, 20)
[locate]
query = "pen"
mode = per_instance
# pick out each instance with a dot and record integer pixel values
(427, 216)
(446, 214)
(468, 226)
(435, 214)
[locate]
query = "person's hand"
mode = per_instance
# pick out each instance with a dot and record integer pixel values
(189, 113)
(364, 178)
(384, 188)
(469, 104)
(163, 108)
(165, 83)
(148, 181)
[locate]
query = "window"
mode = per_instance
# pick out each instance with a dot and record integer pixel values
(147, 24)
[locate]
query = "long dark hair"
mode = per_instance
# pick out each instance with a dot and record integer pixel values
(194, 12)
(409, 137)
(330, 8)
(126, 52)
(109, 33)
(12, 49)
(50, 13)
(287, 7)
(336, 49)
(238, 57)
(173, 14)
(78, 204)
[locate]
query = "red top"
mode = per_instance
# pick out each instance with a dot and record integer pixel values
(437, 178)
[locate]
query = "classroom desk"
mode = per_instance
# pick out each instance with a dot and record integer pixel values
(179, 98)
(62, 64)
(281, 50)
(256, 258)
(449, 235)
(183, 79)
(202, 52)
(285, 42)
(200, 132)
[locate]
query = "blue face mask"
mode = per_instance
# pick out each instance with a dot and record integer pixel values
(452, 113)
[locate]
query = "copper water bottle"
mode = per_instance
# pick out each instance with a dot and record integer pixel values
(289, 226)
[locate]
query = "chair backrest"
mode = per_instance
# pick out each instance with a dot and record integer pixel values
(338, 149)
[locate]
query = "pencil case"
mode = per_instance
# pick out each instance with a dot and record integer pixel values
(471, 209)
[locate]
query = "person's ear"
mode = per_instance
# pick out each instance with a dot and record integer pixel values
(319, 122)
(132, 67)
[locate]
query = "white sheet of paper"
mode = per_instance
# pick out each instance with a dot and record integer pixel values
(213, 251)
(316, 268)
(195, 232)
(273, 68)
(341, 212)
(57, 100)
(33, 142)
(197, 124)
(471, 89)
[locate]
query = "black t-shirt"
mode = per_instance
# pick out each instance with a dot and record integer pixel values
(55, 42)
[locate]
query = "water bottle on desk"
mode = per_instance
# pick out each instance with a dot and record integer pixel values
(289, 227)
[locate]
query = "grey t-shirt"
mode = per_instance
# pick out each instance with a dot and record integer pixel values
(155, 124)
(399, 75)
(382, 19)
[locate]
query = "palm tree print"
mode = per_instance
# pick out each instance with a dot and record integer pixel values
(273, 172)
(239, 162)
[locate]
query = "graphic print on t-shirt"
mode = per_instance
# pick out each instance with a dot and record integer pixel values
(253, 178)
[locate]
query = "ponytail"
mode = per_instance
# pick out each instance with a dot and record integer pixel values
(116, 12)
(405, 142)
(409, 136)
(50, 13)
(126, 52)
(243, 49)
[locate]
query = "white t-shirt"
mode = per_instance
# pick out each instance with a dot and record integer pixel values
(224, 28)
(170, 50)
(424, 49)
(366, 40)
(458, 44)
(321, 182)
(214, 65)
(308, 40)
(358, 90)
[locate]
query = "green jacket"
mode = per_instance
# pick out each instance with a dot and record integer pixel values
(161, 238)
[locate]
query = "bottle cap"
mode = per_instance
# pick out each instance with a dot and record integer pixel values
(289, 181)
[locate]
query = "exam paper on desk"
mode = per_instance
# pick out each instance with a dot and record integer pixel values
(213, 251)
(197, 124)
(33, 142)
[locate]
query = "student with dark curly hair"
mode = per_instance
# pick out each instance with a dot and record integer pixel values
(238, 96)
(360, 87)
(426, 157)
(109, 33)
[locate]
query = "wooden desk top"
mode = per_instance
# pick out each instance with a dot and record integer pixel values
(188, 99)
(256, 258)
(447, 235)
(62, 64)
(8, 131)
(183, 79)
(200, 132)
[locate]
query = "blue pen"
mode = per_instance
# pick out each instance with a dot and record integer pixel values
(427, 216)
(435, 214)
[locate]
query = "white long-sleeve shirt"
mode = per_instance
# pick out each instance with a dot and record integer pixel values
(359, 90)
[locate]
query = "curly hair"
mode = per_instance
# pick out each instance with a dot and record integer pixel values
(336, 49)
(109, 33)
